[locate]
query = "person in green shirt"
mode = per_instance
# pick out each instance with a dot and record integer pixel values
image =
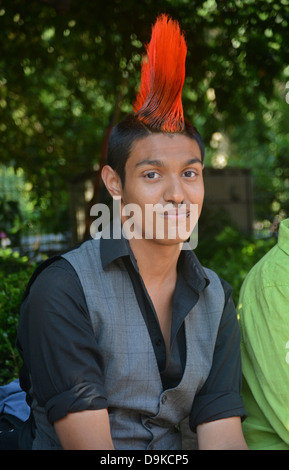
(264, 323)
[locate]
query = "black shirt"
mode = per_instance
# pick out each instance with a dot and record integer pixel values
(60, 351)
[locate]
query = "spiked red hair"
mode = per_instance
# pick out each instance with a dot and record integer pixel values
(159, 102)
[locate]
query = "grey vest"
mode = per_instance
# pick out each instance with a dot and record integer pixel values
(142, 415)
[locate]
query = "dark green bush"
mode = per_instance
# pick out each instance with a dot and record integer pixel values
(15, 272)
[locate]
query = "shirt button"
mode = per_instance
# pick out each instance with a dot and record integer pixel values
(164, 399)
(158, 342)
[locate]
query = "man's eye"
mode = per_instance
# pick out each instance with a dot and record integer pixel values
(151, 175)
(190, 173)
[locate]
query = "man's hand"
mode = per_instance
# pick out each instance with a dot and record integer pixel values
(85, 430)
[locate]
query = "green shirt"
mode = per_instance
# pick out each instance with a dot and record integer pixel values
(264, 322)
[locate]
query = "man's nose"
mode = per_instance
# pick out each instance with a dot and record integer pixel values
(174, 191)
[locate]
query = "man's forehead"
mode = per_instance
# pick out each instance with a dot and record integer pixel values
(161, 148)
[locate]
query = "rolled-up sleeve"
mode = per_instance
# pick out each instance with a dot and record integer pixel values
(220, 396)
(59, 348)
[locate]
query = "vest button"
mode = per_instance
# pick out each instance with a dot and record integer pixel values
(164, 399)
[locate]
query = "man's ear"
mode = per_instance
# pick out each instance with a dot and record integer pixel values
(111, 180)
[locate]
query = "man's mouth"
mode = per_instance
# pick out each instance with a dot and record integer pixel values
(176, 215)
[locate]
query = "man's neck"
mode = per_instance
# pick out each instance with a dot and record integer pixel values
(156, 262)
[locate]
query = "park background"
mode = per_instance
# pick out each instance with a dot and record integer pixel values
(70, 69)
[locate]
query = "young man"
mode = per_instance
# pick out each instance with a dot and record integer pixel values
(125, 339)
(264, 309)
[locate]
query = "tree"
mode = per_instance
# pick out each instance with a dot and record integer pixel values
(69, 68)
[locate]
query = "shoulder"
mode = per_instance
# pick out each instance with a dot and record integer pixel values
(216, 282)
(264, 278)
(54, 271)
(89, 249)
(228, 326)
(54, 286)
(59, 270)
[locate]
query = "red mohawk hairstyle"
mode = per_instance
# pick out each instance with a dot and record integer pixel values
(159, 103)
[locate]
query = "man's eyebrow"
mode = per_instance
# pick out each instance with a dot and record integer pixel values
(150, 162)
(191, 161)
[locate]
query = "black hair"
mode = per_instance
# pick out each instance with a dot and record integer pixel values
(129, 130)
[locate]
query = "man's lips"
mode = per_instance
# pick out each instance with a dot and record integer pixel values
(176, 214)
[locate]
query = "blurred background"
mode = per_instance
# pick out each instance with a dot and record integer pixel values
(69, 70)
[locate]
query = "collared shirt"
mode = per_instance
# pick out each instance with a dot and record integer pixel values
(264, 321)
(56, 339)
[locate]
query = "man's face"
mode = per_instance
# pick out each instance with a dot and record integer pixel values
(164, 171)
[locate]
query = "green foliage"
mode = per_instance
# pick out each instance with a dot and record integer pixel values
(15, 272)
(10, 219)
(17, 207)
(70, 68)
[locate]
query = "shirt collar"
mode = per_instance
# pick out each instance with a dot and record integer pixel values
(192, 270)
(113, 248)
(283, 236)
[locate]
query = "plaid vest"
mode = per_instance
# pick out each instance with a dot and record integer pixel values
(142, 414)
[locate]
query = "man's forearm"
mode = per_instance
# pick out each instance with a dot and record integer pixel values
(85, 430)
